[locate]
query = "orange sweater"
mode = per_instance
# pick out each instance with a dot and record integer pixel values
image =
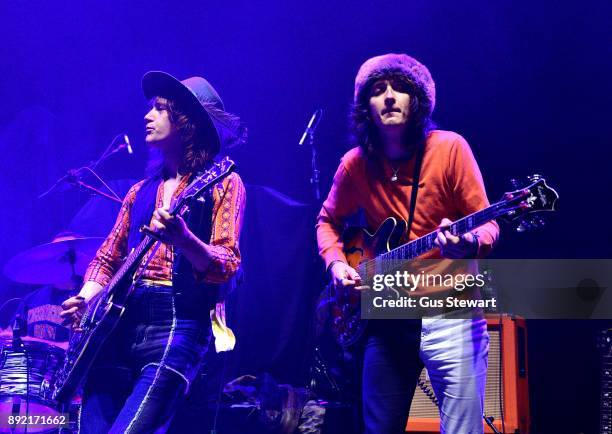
(450, 184)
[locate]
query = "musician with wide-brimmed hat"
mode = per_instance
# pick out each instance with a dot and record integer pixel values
(147, 364)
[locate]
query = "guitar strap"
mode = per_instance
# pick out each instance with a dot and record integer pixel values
(415, 185)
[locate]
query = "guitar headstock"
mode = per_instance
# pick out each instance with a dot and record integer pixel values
(218, 171)
(524, 204)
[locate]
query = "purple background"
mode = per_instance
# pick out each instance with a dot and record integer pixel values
(526, 84)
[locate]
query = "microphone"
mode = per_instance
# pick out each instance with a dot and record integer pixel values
(118, 145)
(126, 139)
(312, 125)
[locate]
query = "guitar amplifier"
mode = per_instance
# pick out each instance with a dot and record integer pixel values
(507, 390)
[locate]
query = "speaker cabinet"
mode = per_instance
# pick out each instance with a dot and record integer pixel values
(507, 393)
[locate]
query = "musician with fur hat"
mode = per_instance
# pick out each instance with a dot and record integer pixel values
(403, 167)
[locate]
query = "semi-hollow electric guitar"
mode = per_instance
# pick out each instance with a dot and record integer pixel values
(380, 252)
(108, 307)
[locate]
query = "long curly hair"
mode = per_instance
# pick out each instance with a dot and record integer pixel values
(362, 128)
(199, 145)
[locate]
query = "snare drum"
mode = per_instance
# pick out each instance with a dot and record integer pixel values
(27, 375)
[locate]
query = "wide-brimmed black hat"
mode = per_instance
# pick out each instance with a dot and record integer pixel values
(200, 100)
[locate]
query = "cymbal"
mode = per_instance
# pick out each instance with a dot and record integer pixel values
(50, 264)
(6, 336)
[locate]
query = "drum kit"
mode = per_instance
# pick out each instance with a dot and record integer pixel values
(28, 364)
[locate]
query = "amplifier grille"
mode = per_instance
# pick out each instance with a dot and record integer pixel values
(422, 407)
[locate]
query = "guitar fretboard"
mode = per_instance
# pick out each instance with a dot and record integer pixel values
(393, 259)
(132, 260)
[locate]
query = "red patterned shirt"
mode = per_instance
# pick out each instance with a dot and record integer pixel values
(228, 212)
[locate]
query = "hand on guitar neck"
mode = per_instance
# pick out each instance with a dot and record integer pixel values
(169, 229)
(454, 247)
(172, 230)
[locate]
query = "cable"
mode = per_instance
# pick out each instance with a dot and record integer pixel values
(10, 300)
(106, 152)
(102, 181)
(428, 392)
(72, 176)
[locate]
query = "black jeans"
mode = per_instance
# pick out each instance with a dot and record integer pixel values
(146, 366)
(391, 367)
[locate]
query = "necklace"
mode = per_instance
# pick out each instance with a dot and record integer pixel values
(394, 176)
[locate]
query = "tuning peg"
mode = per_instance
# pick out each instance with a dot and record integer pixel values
(534, 222)
(524, 225)
(535, 177)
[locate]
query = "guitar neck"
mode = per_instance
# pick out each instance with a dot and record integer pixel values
(392, 259)
(133, 260)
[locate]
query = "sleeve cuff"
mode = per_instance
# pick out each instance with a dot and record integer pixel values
(334, 256)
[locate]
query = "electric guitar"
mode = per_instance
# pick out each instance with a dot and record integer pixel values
(380, 252)
(108, 307)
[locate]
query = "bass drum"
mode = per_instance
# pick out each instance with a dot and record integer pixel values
(27, 373)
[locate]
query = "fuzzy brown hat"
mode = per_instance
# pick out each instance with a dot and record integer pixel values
(415, 71)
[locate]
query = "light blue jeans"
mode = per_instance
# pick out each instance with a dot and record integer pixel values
(454, 351)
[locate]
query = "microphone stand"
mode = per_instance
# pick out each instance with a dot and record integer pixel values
(73, 176)
(319, 366)
(74, 179)
(309, 133)
(314, 177)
